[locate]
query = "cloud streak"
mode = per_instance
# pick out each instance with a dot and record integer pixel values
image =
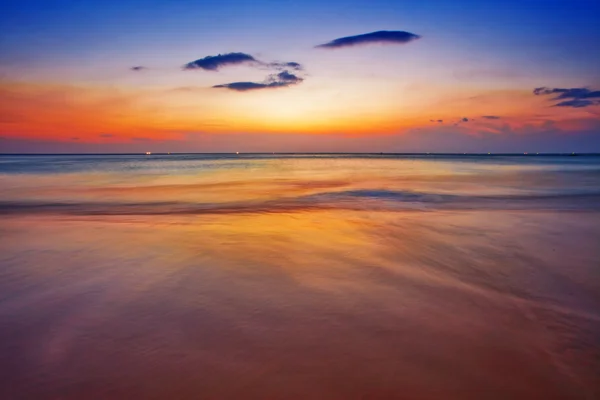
(286, 65)
(571, 97)
(273, 81)
(381, 37)
(246, 86)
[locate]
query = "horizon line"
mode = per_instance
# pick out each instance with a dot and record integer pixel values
(323, 153)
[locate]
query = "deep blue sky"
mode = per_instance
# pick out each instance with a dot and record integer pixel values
(44, 31)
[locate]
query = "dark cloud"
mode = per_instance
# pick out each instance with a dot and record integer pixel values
(576, 93)
(465, 120)
(572, 97)
(282, 79)
(397, 37)
(439, 121)
(490, 117)
(285, 76)
(106, 135)
(213, 63)
(245, 86)
(286, 65)
(138, 68)
(576, 103)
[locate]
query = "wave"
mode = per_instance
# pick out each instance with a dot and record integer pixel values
(360, 200)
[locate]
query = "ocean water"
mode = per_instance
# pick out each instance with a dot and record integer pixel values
(299, 276)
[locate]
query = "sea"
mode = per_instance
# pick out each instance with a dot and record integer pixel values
(300, 276)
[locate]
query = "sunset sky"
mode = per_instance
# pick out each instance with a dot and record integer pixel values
(295, 76)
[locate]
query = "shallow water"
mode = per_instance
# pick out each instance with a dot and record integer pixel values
(299, 276)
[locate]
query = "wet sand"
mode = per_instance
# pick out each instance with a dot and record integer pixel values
(354, 298)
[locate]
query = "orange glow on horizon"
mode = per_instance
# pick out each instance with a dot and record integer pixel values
(95, 114)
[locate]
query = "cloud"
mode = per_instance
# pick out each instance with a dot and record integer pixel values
(286, 65)
(106, 135)
(490, 117)
(439, 121)
(213, 63)
(386, 37)
(282, 79)
(577, 93)
(461, 120)
(576, 103)
(138, 68)
(285, 76)
(572, 97)
(245, 86)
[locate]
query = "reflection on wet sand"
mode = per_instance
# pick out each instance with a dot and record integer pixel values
(353, 297)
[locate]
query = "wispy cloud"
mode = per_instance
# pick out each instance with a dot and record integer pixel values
(282, 79)
(286, 65)
(461, 121)
(138, 68)
(571, 97)
(385, 37)
(465, 119)
(577, 103)
(106, 135)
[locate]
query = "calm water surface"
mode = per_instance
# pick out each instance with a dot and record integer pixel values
(299, 277)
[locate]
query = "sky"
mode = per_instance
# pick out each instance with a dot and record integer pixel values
(79, 76)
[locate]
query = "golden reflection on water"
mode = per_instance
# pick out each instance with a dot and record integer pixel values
(270, 179)
(323, 302)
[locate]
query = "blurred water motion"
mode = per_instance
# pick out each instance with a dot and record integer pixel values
(299, 277)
